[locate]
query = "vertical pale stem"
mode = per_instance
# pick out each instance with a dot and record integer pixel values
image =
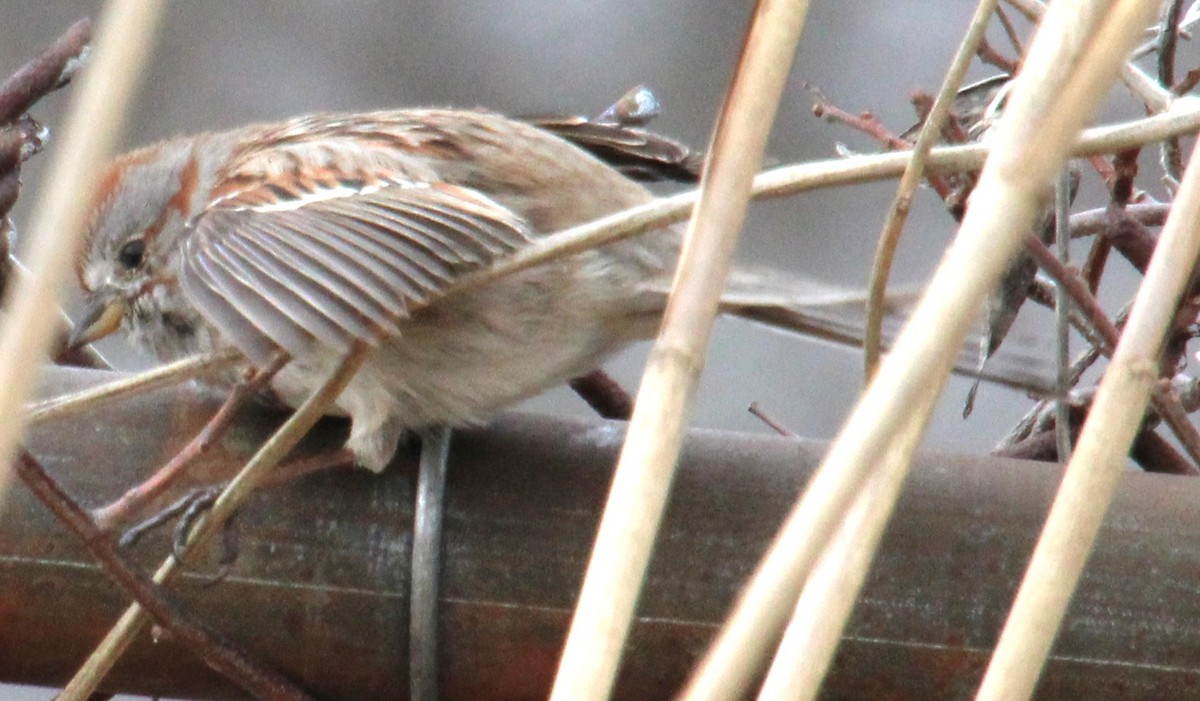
(1051, 99)
(617, 568)
(813, 634)
(1091, 477)
(98, 108)
(931, 133)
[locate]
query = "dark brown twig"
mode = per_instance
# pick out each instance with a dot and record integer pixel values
(50, 70)
(216, 652)
(1155, 454)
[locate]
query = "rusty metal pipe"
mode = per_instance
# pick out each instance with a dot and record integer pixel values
(320, 589)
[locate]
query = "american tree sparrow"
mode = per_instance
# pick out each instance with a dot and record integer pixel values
(308, 234)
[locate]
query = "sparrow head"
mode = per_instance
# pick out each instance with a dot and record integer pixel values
(128, 265)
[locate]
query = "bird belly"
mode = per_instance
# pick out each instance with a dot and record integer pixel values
(468, 356)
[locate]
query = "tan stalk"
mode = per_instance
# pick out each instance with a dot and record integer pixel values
(1183, 118)
(1155, 96)
(646, 467)
(1091, 477)
(93, 670)
(786, 181)
(1047, 107)
(98, 108)
(815, 629)
(781, 182)
(157, 378)
(931, 133)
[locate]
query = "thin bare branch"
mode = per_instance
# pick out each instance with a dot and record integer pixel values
(157, 378)
(647, 465)
(893, 225)
(52, 69)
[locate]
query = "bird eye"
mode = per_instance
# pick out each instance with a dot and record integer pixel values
(131, 254)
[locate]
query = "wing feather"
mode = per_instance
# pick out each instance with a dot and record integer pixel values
(333, 265)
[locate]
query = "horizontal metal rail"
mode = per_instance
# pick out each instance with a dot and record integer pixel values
(320, 590)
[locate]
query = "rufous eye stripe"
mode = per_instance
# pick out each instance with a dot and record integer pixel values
(180, 202)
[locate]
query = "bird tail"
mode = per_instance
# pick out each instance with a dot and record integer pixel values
(830, 314)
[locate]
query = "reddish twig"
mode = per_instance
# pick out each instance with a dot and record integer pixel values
(865, 123)
(1097, 259)
(952, 130)
(991, 56)
(1010, 31)
(1189, 81)
(1125, 170)
(50, 70)
(216, 652)
(872, 127)
(1131, 239)
(771, 423)
(1099, 220)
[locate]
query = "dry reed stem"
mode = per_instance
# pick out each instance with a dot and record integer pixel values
(893, 225)
(1155, 96)
(1092, 474)
(786, 181)
(92, 672)
(1044, 115)
(821, 612)
(646, 467)
(159, 377)
(815, 629)
(1183, 118)
(123, 41)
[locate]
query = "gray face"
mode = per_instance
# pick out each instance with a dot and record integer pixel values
(139, 221)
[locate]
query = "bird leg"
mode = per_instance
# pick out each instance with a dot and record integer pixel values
(110, 516)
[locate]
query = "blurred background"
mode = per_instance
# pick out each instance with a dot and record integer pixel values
(223, 63)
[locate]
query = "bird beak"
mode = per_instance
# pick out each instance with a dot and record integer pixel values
(102, 317)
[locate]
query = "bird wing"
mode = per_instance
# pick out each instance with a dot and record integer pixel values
(295, 266)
